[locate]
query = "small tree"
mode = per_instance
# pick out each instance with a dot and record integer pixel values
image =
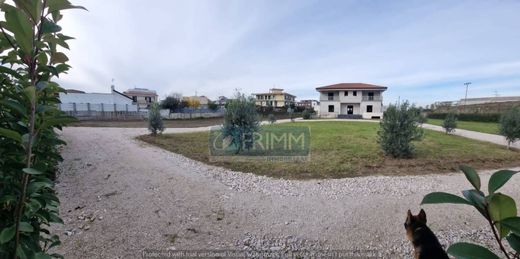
(306, 114)
(498, 209)
(155, 123)
(290, 111)
(241, 121)
(172, 102)
(510, 125)
(450, 122)
(398, 128)
(271, 118)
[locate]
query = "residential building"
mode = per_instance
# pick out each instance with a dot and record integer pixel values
(483, 100)
(275, 98)
(351, 100)
(142, 97)
(222, 100)
(308, 104)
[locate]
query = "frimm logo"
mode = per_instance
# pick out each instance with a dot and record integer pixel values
(288, 143)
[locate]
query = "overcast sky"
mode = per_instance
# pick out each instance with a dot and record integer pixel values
(422, 50)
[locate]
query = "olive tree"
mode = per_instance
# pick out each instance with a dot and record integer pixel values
(510, 125)
(450, 123)
(398, 128)
(155, 123)
(241, 121)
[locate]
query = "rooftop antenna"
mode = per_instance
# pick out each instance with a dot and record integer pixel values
(112, 87)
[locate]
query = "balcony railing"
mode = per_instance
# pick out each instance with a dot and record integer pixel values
(371, 98)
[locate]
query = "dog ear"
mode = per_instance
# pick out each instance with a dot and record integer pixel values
(422, 216)
(409, 216)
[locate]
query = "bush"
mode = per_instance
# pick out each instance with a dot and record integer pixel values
(398, 128)
(155, 123)
(498, 209)
(510, 125)
(172, 102)
(29, 120)
(307, 114)
(479, 117)
(212, 106)
(450, 123)
(241, 121)
(271, 118)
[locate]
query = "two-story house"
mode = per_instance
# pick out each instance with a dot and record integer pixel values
(142, 97)
(275, 98)
(351, 100)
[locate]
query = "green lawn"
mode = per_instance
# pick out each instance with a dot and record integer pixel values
(484, 127)
(348, 149)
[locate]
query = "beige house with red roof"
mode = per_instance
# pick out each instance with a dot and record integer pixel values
(351, 100)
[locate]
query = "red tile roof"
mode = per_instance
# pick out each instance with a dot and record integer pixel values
(351, 86)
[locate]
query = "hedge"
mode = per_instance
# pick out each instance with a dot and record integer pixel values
(480, 117)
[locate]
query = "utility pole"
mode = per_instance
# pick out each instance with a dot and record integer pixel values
(466, 97)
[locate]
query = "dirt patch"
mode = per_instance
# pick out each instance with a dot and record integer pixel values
(194, 123)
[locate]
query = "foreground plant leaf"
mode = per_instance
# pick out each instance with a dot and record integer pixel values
(498, 179)
(470, 251)
(443, 197)
(501, 207)
(471, 175)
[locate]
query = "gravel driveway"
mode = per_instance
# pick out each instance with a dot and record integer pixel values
(120, 196)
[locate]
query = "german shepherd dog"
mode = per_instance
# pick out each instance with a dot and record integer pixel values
(425, 243)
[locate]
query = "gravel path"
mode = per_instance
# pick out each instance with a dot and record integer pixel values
(120, 196)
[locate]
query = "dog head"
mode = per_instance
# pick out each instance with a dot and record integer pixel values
(414, 222)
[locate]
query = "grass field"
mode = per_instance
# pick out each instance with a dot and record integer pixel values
(349, 149)
(484, 127)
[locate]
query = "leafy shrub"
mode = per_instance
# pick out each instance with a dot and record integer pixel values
(450, 123)
(241, 121)
(212, 106)
(479, 117)
(172, 102)
(307, 114)
(398, 128)
(498, 209)
(510, 125)
(271, 118)
(155, 123)
(29, 116)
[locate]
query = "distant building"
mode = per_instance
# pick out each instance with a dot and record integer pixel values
(75, 100)
(142, 97)
(308, 104)
(351, 100)
(482, 100)
(222, 100)
(275, 98)
(202, 100)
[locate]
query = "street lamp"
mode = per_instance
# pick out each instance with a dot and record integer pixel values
(466, 97)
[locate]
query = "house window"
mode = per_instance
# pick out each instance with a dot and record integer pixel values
(346, 93)
(369, 108)
(331, 108)
(331, 96)
(148, 99)
(354, 93)
(370, 96)
(134, 98)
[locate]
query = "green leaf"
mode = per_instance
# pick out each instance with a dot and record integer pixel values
(498, 179)
(57, 5)
(41, 255)
(50, 27)
(471, 175)
(514, 241)
(32, 8)
(513, 223)
(7, 234)
(477, 199)
(6, 70)
(59, 57)
(501, 207)
(11, 134)
(31, 171)
(14, 105)
(26, 227)
(470, 251)
(21, 27)
(30, 92)
(442, 197)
